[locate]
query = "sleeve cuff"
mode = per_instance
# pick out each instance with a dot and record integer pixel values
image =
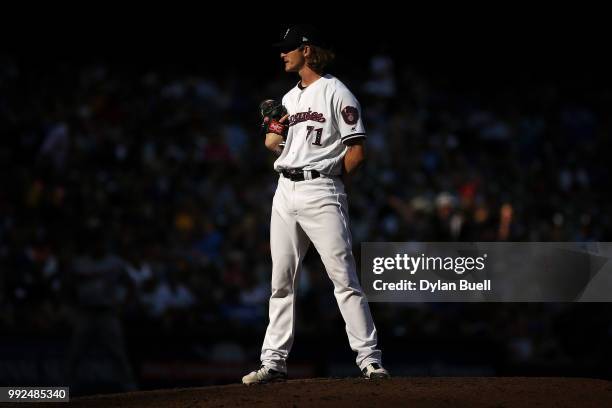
(353, 136)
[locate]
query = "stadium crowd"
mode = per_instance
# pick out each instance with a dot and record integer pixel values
(144, 195)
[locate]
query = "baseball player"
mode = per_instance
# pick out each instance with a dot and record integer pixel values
(319, 137)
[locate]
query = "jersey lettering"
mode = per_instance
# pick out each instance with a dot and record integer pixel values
(306, 116)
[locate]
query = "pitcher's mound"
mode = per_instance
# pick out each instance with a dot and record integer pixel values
(490, 392)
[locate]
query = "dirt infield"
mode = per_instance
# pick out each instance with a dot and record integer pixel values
(490, 392)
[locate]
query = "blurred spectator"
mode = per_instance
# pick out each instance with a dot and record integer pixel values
(100, 288)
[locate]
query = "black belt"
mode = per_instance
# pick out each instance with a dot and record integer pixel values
(298, 175)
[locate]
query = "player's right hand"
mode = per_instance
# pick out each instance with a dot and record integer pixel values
(278, 126)
(274, 116)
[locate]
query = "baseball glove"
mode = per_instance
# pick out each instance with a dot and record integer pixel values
(271, 112)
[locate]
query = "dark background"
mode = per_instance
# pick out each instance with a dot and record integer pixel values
(136, 193)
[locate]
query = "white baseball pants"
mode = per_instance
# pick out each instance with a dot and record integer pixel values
(314, 211)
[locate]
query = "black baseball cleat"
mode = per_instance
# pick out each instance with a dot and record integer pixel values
(263, 376)
(375, 371)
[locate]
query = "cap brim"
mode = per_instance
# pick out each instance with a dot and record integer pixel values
(287, 45)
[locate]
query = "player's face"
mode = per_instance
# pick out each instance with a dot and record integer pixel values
(294, 60)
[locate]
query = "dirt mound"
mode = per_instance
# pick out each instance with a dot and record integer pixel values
(408, 392)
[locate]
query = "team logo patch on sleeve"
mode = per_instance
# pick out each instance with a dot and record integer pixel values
(350, 114)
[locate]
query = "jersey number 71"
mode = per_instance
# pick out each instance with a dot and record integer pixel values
(319, 132)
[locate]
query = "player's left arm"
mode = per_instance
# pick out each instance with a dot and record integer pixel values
(355, 156)
(352, 131)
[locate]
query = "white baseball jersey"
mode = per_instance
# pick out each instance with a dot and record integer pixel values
(323, 117)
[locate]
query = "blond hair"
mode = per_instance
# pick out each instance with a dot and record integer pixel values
(319, 58)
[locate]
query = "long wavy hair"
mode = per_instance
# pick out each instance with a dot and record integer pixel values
(319, 58)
